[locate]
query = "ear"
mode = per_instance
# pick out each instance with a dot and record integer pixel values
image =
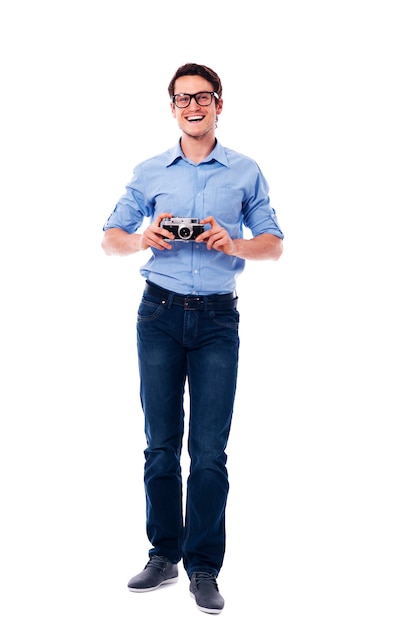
(173, 109)
(219, 106)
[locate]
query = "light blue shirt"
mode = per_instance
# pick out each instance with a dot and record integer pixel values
(227, 185)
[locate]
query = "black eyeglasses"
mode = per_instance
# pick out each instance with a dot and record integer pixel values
(203, 98)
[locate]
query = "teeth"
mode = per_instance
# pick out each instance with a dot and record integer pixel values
(195, 118)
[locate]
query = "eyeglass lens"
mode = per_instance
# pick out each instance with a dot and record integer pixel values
(203, 98)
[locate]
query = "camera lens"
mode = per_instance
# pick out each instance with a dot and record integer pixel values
(184, 232)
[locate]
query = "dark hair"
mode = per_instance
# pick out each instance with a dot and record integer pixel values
(193, 69)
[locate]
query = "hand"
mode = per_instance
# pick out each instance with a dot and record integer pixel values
(154, 235)
(217, 237)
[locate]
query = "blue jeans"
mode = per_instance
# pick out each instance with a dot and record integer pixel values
(201, 347)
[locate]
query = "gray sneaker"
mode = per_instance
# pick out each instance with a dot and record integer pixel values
(158, 571)
(204, 589)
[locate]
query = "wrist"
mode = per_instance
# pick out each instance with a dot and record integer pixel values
(138, 242)
(235, 247)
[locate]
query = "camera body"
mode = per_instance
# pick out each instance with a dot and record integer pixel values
(183, 228)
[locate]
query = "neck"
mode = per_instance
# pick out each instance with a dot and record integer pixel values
(197, 148)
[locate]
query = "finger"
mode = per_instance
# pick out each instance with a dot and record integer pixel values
(205, 235)
(161, 217)
(160, 244)
(155, 237)
(209, 220)
(163, 232)
(214, 241)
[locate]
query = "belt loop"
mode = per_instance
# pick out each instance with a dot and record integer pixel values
(170, 299)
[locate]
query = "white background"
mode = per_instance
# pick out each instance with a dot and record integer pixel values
(322, 456)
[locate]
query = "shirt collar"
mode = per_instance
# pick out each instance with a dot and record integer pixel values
(217, 154)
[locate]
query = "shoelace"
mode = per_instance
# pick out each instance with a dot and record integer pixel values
(205, 577)
(157, 561)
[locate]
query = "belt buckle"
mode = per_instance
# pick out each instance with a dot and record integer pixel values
(192, 303)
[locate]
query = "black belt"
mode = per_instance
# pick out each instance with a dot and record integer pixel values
(192, 303)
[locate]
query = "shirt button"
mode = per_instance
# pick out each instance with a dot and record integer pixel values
(195, 271)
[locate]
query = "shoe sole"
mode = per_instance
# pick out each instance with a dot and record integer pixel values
(205, 609)
(164, 582)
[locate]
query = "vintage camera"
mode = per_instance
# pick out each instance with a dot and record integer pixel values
(184, 228)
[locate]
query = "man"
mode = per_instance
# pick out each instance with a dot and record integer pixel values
(187, 329)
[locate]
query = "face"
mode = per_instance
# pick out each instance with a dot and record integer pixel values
(196, 120)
